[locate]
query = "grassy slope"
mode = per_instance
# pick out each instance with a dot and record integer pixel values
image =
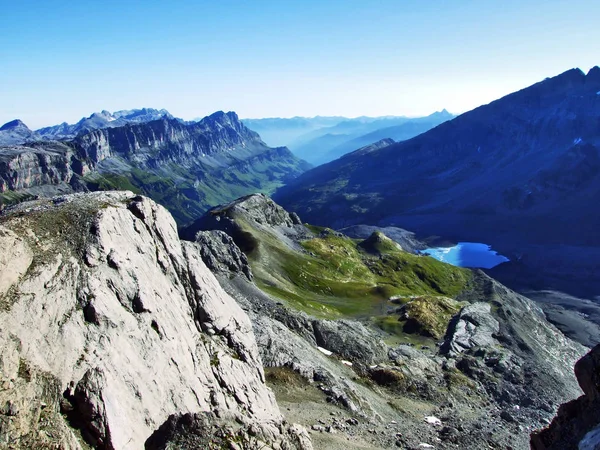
(337, 277)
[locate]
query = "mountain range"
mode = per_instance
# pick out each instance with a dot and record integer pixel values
(16, 132)
(520, 173)
(189, 166)
(124, 325)
(281, 131)
(103, 119)
(323, 139)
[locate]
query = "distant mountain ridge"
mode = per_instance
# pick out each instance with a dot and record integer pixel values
(103, 119)
(322, 139)
(186, 166)
(282, 131)
(403, 130)
(520, 171)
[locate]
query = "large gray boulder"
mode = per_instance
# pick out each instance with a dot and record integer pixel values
(474, 327)
(351, 340)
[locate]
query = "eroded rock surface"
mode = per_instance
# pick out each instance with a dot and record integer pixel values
(474, 327)
(109, 325)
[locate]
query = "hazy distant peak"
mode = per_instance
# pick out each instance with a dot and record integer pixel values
(443, 113)
(13, 124)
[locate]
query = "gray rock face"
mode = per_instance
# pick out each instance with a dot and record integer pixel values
(23, 167)
(503, 343)
(351, 340)
(207, 431)
(221, 255)
(108, 318)
(474, 327)
(167, 140)
(577, 423)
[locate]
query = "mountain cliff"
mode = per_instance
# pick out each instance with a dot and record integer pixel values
(115, 335)
(188, 167)
(519, 174)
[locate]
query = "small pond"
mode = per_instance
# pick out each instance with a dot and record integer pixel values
(467, 254)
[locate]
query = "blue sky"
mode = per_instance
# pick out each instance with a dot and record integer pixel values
(62, 60)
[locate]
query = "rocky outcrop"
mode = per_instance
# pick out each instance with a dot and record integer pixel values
(473, 327)
(406, 239)
(23, 167)
(221, 255)
(259, 208)
(351, 340)
(261, 211)
(507, 345)
(110, 327)
(577, 423)
(207, 431)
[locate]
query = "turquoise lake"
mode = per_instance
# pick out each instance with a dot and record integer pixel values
(467, 254)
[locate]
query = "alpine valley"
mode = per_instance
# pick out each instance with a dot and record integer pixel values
(187, 166)
(153, 295)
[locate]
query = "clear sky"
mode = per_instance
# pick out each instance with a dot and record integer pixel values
(61, 60)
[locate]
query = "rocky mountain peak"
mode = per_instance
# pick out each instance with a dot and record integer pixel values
(565, 81)
(378, 243)
(442, 114)
(259, 208)
(14, 124)
(220, 117)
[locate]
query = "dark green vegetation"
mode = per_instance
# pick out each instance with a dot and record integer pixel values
(10, 198)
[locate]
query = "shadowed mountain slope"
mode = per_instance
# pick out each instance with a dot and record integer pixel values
(520, 173)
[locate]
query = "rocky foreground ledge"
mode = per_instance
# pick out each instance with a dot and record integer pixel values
(115, 335)
(577, 424)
